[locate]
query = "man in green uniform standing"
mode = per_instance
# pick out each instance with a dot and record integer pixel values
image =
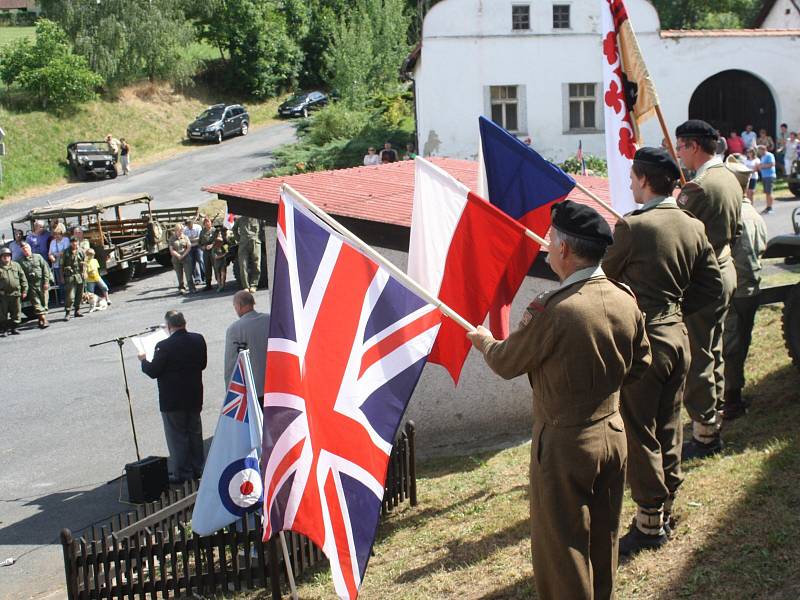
(247, 231)
(578, 345)
(206, 242)
(747, 253)
(663, 254)
(13, 289)
(715, 197)
(73, 266)
(37, 272)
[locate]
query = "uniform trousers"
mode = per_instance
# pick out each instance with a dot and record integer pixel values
(208, 266)
(10, 311)
(577, 481)
(73, 295)
(183, 270)
(249, 255)
(39, 299)
(705, 384)
(651, 409)
(184, 432)
(736, 340)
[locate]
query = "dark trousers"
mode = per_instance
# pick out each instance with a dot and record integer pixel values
(736, 340)
(198, 266)
(208, 266)
(184, 433)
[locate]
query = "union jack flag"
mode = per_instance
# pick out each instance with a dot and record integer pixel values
(347, 345)
(235, 405)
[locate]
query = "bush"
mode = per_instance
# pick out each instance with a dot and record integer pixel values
(594, 165)
(47, 70)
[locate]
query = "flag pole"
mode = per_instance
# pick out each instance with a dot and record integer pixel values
(594, 197)
(379, 258)
(668, 139)
(289, 571)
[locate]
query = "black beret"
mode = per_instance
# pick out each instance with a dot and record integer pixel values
(658, 157)
(581, 221)
(695, 128)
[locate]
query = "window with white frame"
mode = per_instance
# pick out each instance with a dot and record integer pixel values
(582, 106)
(520, 17)
(505, 106)
(561, 16)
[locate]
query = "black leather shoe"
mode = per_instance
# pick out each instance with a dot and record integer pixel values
(694, 449)
(13, 331)
(635, 541)
(733, 410)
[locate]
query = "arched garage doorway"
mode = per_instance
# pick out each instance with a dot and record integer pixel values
(732, 99)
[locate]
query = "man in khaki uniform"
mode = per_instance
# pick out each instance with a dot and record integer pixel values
(37, 272)
(577, 344)
(73, 269)
(13, 289)
(180, 248)
(663, 254)
(715, 197)
(247, 231)
(747, 253)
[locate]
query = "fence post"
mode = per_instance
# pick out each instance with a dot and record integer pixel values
(412, 462)
(68, 545)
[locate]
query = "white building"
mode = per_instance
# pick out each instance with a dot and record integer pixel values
(535, 67)
(779, 14)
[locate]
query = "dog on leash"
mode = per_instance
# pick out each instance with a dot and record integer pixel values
(94, 301)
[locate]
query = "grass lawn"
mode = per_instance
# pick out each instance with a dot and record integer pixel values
(738, 514)
(152, 118)
(10, 34)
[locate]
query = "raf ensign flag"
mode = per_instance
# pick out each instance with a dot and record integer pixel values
(347, 344)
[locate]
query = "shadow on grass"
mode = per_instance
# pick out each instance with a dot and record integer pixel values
(461, 554)
(751, 552)
(522, 589)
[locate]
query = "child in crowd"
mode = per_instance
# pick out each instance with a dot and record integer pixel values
(93, 279)
(219, 254)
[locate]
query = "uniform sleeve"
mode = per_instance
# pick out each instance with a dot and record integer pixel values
(619, 253)
(46, 275)
(692, 199)
(524, 350)
(641, 357)
(706, 281)
(23, 281)
(155, 368)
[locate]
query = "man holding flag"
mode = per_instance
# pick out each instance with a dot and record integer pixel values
(577, 344)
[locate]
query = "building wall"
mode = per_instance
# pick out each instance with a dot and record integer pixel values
(784, 15)
(468, 45)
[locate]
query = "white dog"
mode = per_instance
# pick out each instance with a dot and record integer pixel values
(94, 301)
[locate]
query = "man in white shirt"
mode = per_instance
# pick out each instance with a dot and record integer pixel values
(749, 137)
(250, 331)
(192, 231)
(371, 157)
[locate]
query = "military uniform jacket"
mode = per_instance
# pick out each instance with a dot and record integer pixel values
(36, 270)
(12, 280)
(72, 265)
(206, 238)
(247, 228)
(663, 254)
(747, 252)
(715, 197)
(579, 345)
(180, 244)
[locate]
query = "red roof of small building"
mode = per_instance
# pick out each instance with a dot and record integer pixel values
(381, 193)
(706, 33)
(16, 4)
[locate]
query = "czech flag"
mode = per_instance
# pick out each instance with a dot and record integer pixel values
(518, 181)
(459, 251)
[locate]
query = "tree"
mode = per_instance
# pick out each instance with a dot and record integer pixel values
(706, 14)
(125, 40)
(47, 69)
(368, 48)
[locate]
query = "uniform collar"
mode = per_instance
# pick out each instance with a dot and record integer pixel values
(582, 275)
(657, 202)
(711, 162)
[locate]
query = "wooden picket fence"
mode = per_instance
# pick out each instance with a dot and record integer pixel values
(152, 552)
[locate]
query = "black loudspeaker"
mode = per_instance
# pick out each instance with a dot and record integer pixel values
(147, 479)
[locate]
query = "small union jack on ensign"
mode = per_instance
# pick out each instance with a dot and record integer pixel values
(236, 399)
(347, 345)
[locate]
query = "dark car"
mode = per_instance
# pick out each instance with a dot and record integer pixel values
(302, 104)
(91, 159)
(219, 121)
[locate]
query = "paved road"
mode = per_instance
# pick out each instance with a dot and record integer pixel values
(65, 430)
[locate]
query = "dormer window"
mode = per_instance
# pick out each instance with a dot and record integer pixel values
(520, 17)
(561, 16)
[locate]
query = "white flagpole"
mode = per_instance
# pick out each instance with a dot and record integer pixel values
(599, 201)
(289, 571)
(377, 257)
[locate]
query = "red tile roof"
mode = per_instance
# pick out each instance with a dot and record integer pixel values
(16, 4)
(382, 193)
(680, 33)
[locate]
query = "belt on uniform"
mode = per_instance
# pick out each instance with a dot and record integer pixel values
(660, 313)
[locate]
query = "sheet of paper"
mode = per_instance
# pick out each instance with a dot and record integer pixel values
(147, 343)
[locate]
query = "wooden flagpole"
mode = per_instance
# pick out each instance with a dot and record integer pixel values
(594, 197)
(668, 139)
(378, 258)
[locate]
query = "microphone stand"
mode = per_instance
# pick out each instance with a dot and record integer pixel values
(120, 341)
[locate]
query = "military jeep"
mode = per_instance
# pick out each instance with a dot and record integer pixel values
(793, 179)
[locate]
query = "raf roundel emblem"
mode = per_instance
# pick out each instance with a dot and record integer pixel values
(240, 487)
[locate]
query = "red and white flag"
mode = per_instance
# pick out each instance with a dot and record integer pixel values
(460, 249)
(629, 99)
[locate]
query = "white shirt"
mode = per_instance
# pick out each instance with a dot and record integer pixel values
(193, 233)
(749, 138)
(752, 164)
(371, 159)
